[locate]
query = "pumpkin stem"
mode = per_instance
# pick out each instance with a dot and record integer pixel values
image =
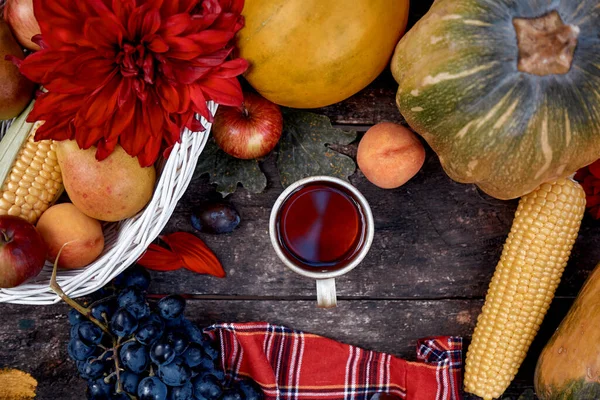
(546, 44)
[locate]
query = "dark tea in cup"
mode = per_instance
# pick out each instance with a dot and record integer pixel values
(321, 226)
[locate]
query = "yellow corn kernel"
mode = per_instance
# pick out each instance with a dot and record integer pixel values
(33, 183)
(533, 259)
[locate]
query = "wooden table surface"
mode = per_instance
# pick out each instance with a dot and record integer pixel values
(436, 245)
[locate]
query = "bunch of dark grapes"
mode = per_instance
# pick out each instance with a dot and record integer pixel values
(126, 350)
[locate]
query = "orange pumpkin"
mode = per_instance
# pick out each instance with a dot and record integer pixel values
(313, 53)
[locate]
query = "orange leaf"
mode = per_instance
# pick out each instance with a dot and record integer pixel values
(158, 258)
(195, 254)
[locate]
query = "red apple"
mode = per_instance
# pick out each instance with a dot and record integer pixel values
(250, 132)
(22, 251)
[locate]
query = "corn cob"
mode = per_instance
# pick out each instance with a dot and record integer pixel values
(535, 254)
(29, 173)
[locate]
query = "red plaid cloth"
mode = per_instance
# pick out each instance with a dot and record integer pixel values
(291, 364)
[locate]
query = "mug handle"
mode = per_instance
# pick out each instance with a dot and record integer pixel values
(326, 297)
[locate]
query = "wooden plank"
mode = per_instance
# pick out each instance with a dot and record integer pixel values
(34, 339)
(434, 238)
(374, 104)
(377, 102)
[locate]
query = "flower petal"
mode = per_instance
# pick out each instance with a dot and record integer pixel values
(188, 74)
(158, 45)
(41, 66)
(104, 32)
(196, 256)
(158, 258)
(201, 22)
(169, 97)
(133, 72)
(229, 22)
(55, 129)
(122, 9)
(182, 48)
(99, 107)
(184, 99)
(231, 69)
(150, 152)
(212, 60)
(211, 40)
(105, 148)
(232, 6)
(151, 22)
(199, 101)
(193, 124)
(134, 138)
(86, 137)
(121, 120)
(55, 105)
(175, 25)
(227, 92)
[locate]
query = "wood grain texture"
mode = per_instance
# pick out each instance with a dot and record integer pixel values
(442, 236)
(34, 339)
(436, 246)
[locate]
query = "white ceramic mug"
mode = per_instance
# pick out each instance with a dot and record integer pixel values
(326, 293)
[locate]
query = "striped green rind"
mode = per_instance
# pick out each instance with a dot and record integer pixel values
(572, 390)
(505, 130)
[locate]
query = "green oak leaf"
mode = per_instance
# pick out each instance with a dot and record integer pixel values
(303, 150)
(227, 171)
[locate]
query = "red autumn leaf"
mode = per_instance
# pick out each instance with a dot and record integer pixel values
(187, 251)
(158, 258)
(195, 254)
(143, 59)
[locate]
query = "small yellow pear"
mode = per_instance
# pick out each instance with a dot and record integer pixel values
(109, 190)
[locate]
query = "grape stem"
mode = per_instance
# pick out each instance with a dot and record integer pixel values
(99, 358)
(127, 341)
(107, 377)
(116, 345)
(86, 311)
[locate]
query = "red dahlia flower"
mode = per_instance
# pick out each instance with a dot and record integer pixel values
(132, 72)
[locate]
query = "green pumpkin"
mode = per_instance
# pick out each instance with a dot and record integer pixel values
(506, 92)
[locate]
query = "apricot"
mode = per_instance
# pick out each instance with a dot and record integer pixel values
(109, 190)
(389, 155)
(64, 223)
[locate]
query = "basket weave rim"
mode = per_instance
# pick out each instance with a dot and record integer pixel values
(125, 241)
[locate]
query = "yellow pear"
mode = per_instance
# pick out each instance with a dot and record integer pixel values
(109, 190)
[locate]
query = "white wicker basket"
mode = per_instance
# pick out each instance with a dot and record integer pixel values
(125, 241)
